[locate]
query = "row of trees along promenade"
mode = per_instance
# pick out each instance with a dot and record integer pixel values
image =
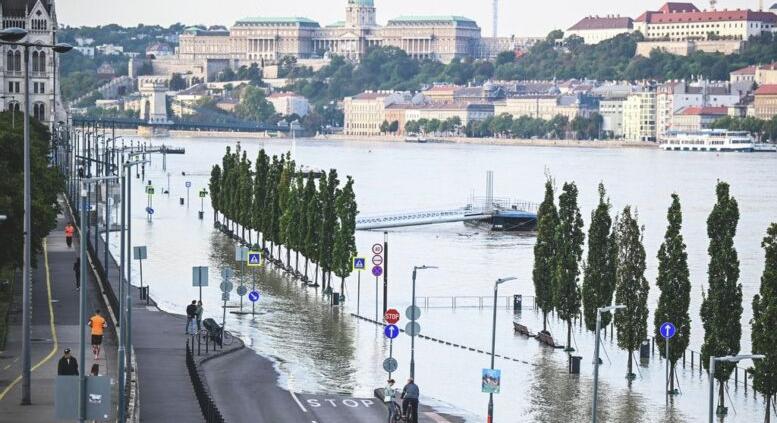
(615, 266)
(287, 207)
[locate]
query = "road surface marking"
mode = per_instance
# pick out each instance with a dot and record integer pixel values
(51, 323)
(302, 407)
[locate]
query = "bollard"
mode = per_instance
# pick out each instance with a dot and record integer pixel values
(644, 349)
(201, 214)
(180, 199)
(198, 343)
(683, 359)
(574, 364)
(517, 303)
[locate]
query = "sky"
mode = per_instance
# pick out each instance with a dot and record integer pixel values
(516, 17)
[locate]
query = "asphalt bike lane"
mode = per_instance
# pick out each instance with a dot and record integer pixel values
(333, 408)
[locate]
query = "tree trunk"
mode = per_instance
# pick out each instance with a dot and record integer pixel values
(306, 267)
(342, 285)
(721, 393)
(288, 257)
(249, 238)
(296, 261)
(544, 321)
(671, 377)
(315, 275)
(768, 417)
(329, 279)
(630, 363)
(243, 229)
(569, 334)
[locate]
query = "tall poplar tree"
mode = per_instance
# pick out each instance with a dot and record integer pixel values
(312, 221)
(599, 279)
(284, 184)
(545, 254)
(345, 239)
(721, 310)
(245, 195)
(569, 251)
(321, 196)
(296, 231)
(631, 287)
(268, 219)
(675, 285)
(764, 322)
(261, 167)
(329, 224)
(215, 191)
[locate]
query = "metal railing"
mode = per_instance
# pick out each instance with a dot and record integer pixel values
(208, 407)
(472, 301)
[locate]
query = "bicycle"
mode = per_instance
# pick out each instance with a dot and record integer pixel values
(397, 415)
(226, 338)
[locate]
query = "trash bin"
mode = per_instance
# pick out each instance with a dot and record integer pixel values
(517, 303)
(200, 214)
(644, 349)
(144, 293)
(180, 199)
(574, 364)
(335, 299)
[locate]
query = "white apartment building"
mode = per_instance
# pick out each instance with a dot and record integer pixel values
(684, 21)
(672, 97)
(611, 110)
(365, 112)
(289, 103)
(595, 29)
(639, 115)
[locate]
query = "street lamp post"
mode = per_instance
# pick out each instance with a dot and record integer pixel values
(412, 338)
(730, 359)
(599, 312)
(493, 344)
(13, 36)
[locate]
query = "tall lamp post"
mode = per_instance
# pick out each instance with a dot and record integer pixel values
(493, 343)
(730, 359)
(412, 338)
(599, 313)
(13, 36)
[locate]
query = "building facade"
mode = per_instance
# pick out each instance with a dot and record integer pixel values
(611, 109)
(639, 115)
(595, 29)
(39, 18)
(672, 97)
(269, 39)
(289, 103)
(694, 118)
(365, 112)
(684, 21)
(765, 104)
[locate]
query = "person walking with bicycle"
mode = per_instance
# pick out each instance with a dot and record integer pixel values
(409, 397)
(388, 397)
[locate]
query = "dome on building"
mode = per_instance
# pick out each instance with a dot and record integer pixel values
(368, 3)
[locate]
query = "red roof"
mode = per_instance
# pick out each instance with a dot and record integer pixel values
(602, 22)
(749, 70)
(766, 90)
(678, 8)
(701, 111)
(442, 88)
(713, 16)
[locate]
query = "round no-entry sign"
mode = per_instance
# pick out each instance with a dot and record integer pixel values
(391, 316)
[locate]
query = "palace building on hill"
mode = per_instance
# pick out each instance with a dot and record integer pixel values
(266, 40)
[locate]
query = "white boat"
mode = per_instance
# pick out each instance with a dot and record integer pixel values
(717, 140)
(416, 138)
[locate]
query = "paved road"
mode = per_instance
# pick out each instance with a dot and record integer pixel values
(244, 386)
(53, 278)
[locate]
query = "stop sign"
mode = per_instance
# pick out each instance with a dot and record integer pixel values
(391, 316)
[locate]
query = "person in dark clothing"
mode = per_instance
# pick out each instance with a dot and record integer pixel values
(68, 366)
(77, 270)
(191, 314)
(410, 395)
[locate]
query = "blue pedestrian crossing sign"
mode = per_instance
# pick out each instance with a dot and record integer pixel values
(253, 296)
(391, 331)
(254, 259)
(668, 330)
(359, 263)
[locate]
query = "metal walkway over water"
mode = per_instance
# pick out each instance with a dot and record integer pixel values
(423, 217)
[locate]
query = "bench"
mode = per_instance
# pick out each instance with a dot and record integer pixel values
(522, 329)
(547, 339)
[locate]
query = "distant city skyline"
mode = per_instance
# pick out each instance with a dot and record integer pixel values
(515, 17)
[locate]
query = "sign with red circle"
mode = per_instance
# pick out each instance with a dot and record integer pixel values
(391, 316)
(377, 260)
(377, 248)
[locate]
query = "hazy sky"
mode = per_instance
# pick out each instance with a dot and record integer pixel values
(519, 17)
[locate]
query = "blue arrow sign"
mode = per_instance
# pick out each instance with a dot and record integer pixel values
(253, 296)
(391, 331)
(149, 210)
(668, 330)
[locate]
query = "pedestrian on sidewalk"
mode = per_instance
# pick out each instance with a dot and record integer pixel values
(198, 315)
(77, 270)
(68, 366)
(98, 325)
(388, 397)
(69, 230)
(410, 394)
(191, 314)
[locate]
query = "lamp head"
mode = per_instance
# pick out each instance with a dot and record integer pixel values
(507, 279)
(62, 48)
(611, 308)
(738, 358)
(13, 35)
(424, 267)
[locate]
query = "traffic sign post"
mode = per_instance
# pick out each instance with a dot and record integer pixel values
(391, 331)
(253, 296)
(391, 316)
(188, 185)
(241, 255)
(359, 264)
(377, 270)
(226, 287)
(200, 277)
(140, 253)
(668, 330)
(150, 204)
(203, 193)
(254, 259)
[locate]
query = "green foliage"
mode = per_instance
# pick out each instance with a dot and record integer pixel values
(569, 239)
(254, 105)
(599, 279)
(765, 129)
(721, 310)
(345, 241)
(215, 189)
(764, 322)
(525, 127)
(312, 220)
(261, 169)
(545, 253)
(177, 83)
(675, 285)
(631, 286)
(327, 190)
(47, 182)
